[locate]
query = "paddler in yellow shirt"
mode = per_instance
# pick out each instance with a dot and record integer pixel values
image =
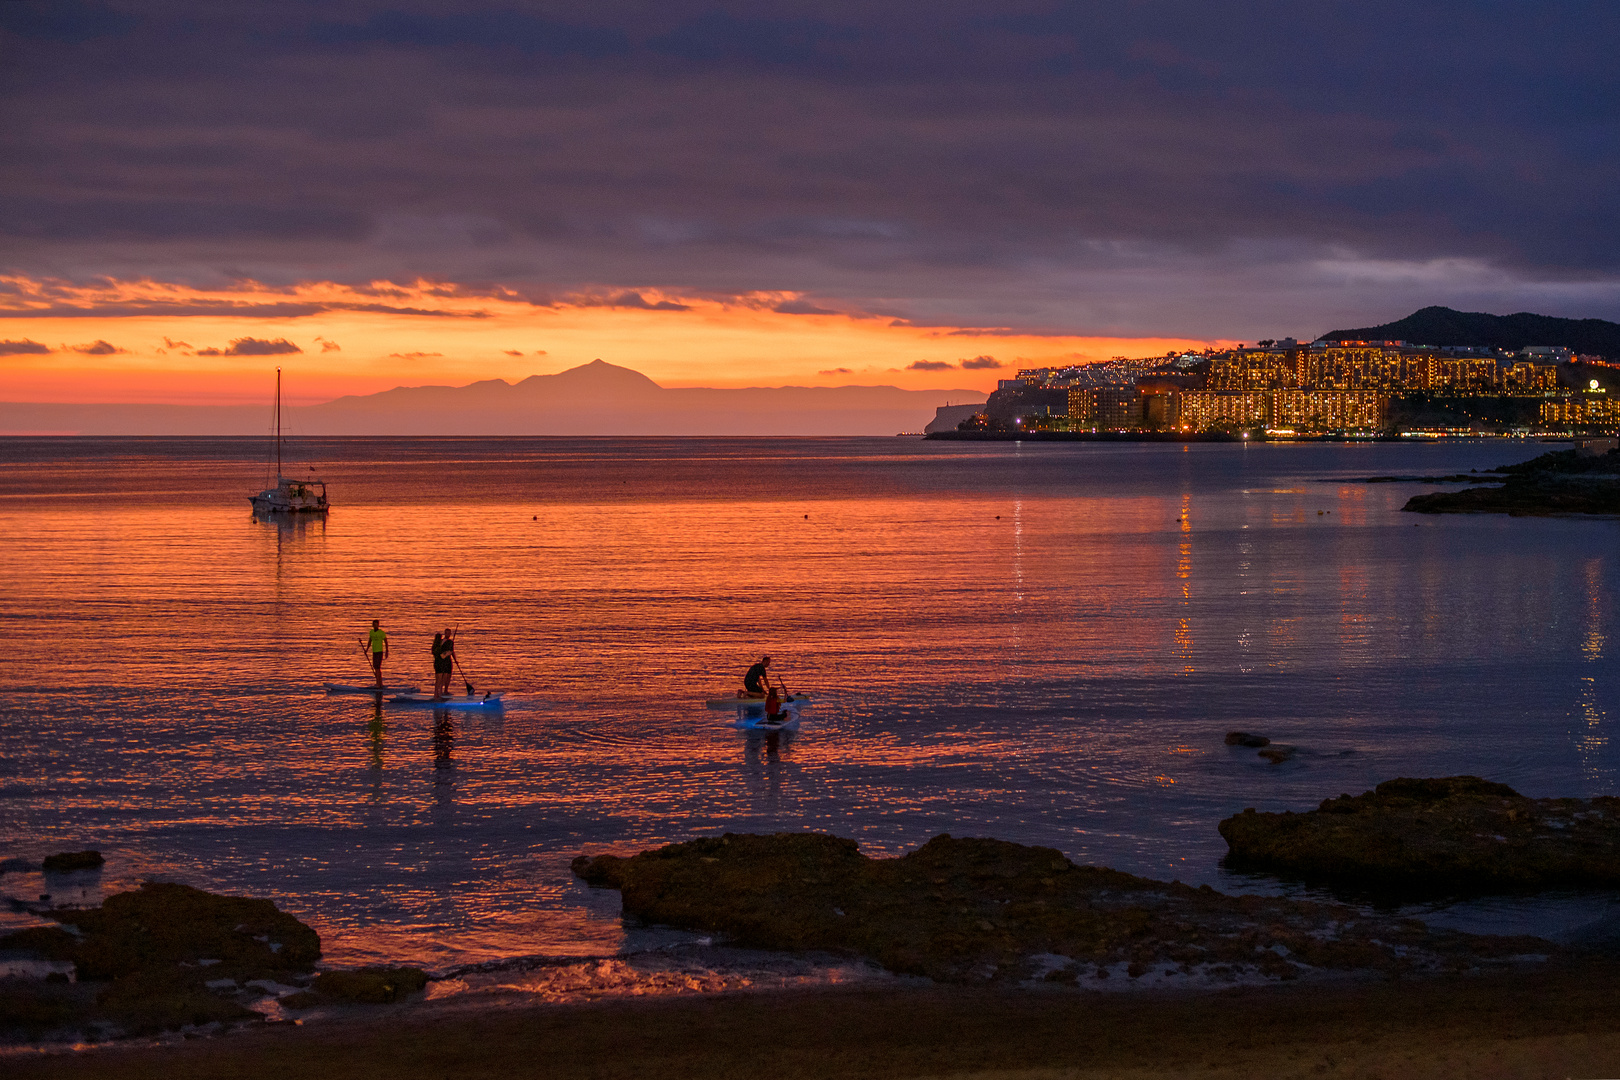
(378, 642)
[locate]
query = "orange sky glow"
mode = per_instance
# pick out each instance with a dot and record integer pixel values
(152, 342)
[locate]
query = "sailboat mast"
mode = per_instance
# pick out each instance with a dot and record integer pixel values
(278, 425)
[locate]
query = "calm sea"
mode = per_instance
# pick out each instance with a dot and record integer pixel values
(1042, 643)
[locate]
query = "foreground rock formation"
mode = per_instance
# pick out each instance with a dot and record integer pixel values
(1455, 834)
(167, 956)
(162, 957)
(987, 910)
(1561, 482)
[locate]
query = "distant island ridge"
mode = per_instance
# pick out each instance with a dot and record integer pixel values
(1442, 326)
(593, 399)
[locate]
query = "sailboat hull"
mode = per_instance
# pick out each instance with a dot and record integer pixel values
(291, 497)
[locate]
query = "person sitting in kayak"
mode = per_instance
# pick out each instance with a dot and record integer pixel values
(773, 708)
(754, 681)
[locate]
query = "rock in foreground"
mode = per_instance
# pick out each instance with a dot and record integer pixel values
(1562, 482)
(974, 910)
(1459, 834)
(159, 958)
(65, 861)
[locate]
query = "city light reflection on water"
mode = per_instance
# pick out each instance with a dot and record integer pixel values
(1040, 643)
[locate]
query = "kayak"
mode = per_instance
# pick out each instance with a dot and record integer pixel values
(796, 701)
(488, 701)
(339, 688)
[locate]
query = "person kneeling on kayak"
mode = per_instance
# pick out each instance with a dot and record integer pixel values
(754, 681)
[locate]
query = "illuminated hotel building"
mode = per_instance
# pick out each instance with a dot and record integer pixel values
(1329, 410)
(1327, 386)
(1582, 410)
(1204, 409)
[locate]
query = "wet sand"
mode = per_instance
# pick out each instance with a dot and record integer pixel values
(1561, 1021)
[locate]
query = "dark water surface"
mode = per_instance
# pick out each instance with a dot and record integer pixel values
(1042, 643)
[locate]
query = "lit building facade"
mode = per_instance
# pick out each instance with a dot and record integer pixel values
(1591, 410)
(1202, 410)
(1329, 410)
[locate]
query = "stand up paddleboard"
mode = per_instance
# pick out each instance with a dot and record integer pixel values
(339, 688)
(797, 701)
(759, 723)
(488, 701)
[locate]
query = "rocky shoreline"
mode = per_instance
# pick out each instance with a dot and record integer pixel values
(1454, 834)
(987, 911)
(169, 956)
(1557, 483)
(965, 912)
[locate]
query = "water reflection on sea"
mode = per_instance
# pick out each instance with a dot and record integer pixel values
(1040, 643)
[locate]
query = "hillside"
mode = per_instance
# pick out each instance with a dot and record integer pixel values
(1443, 326)
(592, 399)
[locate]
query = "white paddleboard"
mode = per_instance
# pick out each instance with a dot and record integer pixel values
(339, 688)
(795, 701)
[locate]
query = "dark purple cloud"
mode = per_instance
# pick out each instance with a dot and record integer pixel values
(801, 307)
(930, 365)
(1167, 166)
(98, 348)
(19, 348)
(629, 299)
(248, 346)
(981, 363)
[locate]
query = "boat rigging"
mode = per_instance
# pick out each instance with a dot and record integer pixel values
(290, 495)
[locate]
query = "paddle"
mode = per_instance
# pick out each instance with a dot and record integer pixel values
(365, 655)
(457, 661)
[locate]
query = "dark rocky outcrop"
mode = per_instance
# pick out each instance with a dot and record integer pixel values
(1455, 834)
(1243, 738)
(145, 958)
(1561, 482)
(73, 860)
(164, 924)
(974, 910)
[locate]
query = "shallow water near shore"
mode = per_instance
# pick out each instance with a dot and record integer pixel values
(1041, 643)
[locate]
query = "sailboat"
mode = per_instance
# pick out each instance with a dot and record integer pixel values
(289, 496)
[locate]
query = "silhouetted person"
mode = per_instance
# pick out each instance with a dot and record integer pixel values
(773, 708)
(444, 659)
(754, 681)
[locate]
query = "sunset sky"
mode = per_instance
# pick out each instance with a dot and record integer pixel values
(812, 193)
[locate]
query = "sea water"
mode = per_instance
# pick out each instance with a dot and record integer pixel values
(1044, 643)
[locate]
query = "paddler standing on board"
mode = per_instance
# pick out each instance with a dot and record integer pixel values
(754, 681)
(378, 642)
(444, 656)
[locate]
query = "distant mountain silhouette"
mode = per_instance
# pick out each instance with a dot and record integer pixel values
(593, 399)
(1443, 326)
